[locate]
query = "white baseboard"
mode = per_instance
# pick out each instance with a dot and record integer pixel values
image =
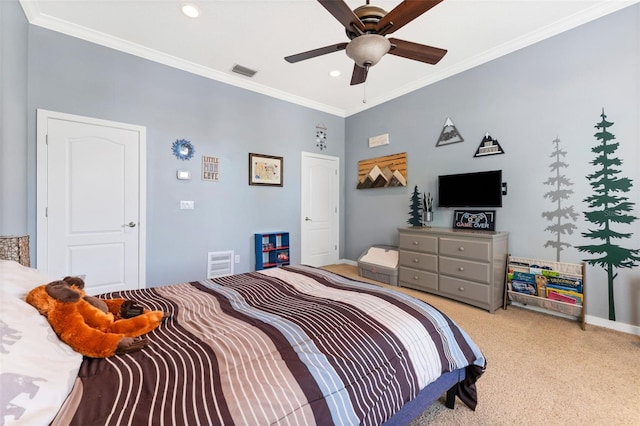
(589, 319)
(614, 325)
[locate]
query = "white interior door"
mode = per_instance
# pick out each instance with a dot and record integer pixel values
(320, 220)
(91, 191)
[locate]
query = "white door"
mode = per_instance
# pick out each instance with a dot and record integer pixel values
(320, 194)
(91, 192)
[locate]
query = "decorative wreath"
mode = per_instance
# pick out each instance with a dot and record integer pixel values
(183, 149)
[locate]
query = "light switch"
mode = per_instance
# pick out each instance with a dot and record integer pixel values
(183, 174)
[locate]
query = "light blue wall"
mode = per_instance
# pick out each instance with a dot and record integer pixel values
(13, 121)
(77, 77)
(557, 87)
(69, 75)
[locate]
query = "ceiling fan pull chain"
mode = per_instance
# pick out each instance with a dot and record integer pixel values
(364, 93)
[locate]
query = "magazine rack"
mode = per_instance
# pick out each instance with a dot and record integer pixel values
(577, 270)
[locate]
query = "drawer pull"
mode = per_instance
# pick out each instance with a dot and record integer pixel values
(461, 248)
(461, 269)
(416, 243)
(461, 288)
(416, 278)
(416, 260)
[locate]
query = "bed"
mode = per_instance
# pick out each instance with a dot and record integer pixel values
(294, 345)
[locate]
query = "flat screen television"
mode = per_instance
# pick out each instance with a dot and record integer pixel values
(479, 189)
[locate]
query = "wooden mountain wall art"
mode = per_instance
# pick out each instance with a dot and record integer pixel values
(383, 172)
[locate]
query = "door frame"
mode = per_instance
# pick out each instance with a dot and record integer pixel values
(336, 160)
(42, 187)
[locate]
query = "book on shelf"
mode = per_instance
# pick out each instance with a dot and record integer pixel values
(524, 277)
(566, 283)
(535, 284)
(524, 287)
(541, 285)
(566, 296)
(544, 272)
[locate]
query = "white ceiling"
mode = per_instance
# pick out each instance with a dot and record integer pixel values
(258, 34)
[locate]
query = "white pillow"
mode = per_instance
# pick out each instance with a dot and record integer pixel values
(37, 370)
(19, 280)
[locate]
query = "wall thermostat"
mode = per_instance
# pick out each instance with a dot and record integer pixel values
(183, 174)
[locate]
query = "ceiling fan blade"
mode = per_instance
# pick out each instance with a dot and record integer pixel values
(404, 13)
(343, 13)
(417, 52)
(359, 75)
(315, 52)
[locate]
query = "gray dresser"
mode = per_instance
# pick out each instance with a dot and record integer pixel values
(468, 266)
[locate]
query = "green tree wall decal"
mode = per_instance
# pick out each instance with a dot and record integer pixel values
(415, 214)
(559, 193)
(608, 208)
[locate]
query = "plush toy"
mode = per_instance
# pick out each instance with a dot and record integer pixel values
(97, 328)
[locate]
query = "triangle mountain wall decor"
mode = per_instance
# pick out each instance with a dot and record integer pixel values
(449, 134)
(488, 146)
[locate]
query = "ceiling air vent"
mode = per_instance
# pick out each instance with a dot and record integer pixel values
(247, 72)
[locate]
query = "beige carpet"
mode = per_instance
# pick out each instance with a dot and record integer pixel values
(541, 369)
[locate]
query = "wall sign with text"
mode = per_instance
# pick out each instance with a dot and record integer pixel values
(474, 220)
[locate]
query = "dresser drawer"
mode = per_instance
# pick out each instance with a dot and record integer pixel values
(414, 242)
(468, 249)
(467, 269)
(416, 260)
(421, 280)
(464, 289)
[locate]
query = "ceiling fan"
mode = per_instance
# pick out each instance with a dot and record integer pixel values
(366, 27)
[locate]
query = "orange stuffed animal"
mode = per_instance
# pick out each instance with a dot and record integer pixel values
(97, 328)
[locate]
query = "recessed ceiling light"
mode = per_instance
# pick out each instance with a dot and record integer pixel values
(335, 73)
(190, 10)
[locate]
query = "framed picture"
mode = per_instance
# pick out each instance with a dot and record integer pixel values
(475, 220)
(265, 170)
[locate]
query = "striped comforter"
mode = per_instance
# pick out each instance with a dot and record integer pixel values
(294, 345)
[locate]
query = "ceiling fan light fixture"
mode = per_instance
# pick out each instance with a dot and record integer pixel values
(367, 50)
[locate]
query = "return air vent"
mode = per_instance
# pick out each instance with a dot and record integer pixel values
(247, 72)
(220, 264)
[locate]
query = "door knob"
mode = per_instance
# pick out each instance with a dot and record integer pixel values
(131, 225)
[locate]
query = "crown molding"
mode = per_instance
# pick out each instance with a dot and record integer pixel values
(39, 19)
(31, 9)
(571, 22)
(35, 17)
